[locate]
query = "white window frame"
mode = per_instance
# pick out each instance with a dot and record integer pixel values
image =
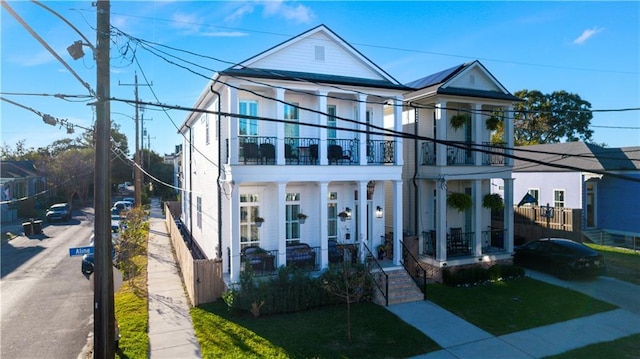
(249, 210)
(564, 198)
(248, 126)
(535, 193)
(292, 223)
(332, 216)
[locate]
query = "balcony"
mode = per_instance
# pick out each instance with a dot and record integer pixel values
(464, 154)
(257, 150)
(380, 151)
(496, 157)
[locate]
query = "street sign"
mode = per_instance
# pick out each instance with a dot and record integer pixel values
(78, 251)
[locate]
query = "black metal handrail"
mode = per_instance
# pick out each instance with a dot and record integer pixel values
(428, 150)
(460, 155)
(380, 151)
(301, 150)
(374, 263)
(343, 151)
(497, 155)
(257, 149)
(417, 271)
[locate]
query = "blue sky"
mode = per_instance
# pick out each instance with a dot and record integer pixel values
(592, 49)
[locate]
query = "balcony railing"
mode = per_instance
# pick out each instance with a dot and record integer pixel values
(496, 157)
(428, 151)
(343, 151)
(301, 151)
(493, 240)
(258, 150)
(460, 155)
(380, 151)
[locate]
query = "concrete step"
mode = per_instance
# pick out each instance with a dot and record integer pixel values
(402, 288)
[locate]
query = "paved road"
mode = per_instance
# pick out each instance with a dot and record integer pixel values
(46, 304)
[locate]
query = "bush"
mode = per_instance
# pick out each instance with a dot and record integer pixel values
(479, 275)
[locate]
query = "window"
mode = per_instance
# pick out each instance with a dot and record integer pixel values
(291, 219)
(331, 122)
(206, 125)
(535, 193)
(249, 210)
(248, 126)
(332, 215)
(199, 212)
(558, 198)
(291, 113)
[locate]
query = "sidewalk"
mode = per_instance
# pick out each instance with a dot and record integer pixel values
(171, 333)
(461, 339)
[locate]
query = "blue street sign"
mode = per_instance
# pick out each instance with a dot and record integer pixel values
(80, 251)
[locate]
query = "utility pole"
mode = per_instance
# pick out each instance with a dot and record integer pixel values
(143, 134)
(137, 182)
(103, 307)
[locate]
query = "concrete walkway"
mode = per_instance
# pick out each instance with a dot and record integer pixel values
(171, 333)
(461, 339)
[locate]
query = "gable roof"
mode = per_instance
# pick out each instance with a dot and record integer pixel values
(249, 67)
(441, 83)
(587, 157)
(17, 169)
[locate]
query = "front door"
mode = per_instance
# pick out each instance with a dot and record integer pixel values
(591, 204)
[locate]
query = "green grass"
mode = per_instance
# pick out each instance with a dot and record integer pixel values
(511, 306)
(623, 348)
(622, 263)
(319, 333)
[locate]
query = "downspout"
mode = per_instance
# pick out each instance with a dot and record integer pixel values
(219, 252)
(415, 173)
(190, 183)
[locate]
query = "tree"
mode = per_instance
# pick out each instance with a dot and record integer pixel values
(69, 172)
(20, 153)
(551, 118)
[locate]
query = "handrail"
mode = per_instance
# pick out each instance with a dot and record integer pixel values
(385, 291)
(418, 269)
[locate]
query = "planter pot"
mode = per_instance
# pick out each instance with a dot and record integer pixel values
(259, 224)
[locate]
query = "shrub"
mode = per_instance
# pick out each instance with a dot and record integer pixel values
(478, 275)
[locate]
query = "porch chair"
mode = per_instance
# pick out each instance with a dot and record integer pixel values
(313, 153)
(335, 154)
(250, 151)
(457, 240)
(289, 153)
(267, 153)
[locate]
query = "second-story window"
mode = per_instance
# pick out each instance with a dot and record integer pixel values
(248, 126)
(291, 113)
(331, 122)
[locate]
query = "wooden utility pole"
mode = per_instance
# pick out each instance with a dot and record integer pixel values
(103, 308)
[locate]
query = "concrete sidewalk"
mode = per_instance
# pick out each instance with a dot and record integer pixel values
(171, 333)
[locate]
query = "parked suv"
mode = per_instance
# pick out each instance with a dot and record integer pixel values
(59, 212)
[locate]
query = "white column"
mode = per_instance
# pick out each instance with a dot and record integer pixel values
(476, 192)
(508, 214)
(362, 216)
(235, 233)
(362, 126)
(441, 129)
(508, 134)
(322, 120)
(478, 120)
(323, 191)
(441, 220)
(397, 221)
(397, 121)
(233, 126)
(281, 230)
(280, 160)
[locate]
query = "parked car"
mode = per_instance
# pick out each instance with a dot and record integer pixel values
(87, 265)
(58, 212)
(130, 200)
(122, 206)
(561, 257)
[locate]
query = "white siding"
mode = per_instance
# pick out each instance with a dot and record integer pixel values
(474, 79)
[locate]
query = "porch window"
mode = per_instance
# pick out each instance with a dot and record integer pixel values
(558, 198)
(331, 122)
(292, 221)
(248, 126)
(535, 193)
(199, 211)
(332, 215)
(249, 210)
(291, 113)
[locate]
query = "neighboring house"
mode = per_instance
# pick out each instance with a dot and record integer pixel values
(447, 160)
(248, 174)
(603, 182)
(19, 180)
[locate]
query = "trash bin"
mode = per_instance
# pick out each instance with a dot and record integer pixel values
(37, 226)
(27, 227)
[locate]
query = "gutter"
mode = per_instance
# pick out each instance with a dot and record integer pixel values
(415, 173)
(219, 251)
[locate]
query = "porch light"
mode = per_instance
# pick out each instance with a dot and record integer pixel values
(348, 212)
(378, 212)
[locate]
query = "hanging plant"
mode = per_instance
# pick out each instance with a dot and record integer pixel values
(301, 217)
(493, 120)
(343, 215)
(459, 201)
(258, 221)
(492, 201)
(457, 121)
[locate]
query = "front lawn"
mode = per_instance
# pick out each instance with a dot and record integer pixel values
(623, 348)
(622, 263)
(511, 306)
(318, 333)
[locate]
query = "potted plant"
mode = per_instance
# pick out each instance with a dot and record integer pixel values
(459, 201)
(301, 217)
(493, 120)
(492, 201)
(458, 120)
(258, 220)
(381, 251)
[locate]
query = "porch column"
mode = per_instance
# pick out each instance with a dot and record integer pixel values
(362, 126)
(281, 230)
(280, 160)
(322, 120)
(235, 234)
(441, 220)
(508, 134)
(508, 215)
(441, 133)
(397, 121)
(476, 222)
(397, 221)
(232, 105)
(323, 191)
(476, 132)
(362, 217)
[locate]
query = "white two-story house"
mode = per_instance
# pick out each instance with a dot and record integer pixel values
(288, 150)
(453, 157)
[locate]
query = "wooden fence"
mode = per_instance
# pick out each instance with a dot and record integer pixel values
(202, 277)
(530, 223)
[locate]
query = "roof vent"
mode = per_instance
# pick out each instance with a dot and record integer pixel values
(319, 53)
(472, 79)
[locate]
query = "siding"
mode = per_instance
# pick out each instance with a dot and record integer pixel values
(618, 205)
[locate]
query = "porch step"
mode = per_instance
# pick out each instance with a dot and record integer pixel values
(599, 236)
(402, 288)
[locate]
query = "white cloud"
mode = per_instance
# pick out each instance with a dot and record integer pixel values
(586, 35)
(224, 34)
(298, 13)
(240, 12)
(190, 23)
